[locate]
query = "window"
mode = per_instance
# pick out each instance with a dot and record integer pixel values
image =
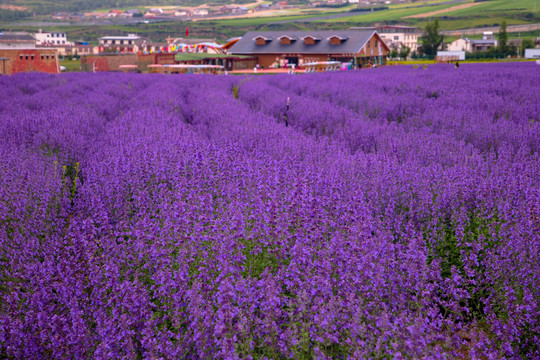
(26, 57)
(21, 57)
(396, 37)
(47, 57)
(42, 57)
(52, 57)
(309, 41)
(32, 57)
(334, 40)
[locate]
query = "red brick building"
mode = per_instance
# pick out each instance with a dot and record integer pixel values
(19, 54)
(107, 62)
(30, 60)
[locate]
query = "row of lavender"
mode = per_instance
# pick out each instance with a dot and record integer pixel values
(388, 213)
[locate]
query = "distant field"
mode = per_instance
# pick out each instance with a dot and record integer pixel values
(489, 13)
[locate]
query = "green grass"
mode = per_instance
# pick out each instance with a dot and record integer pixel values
(418, 4)
(393, 14)
(465, 23)
(71, 65)
(498, 6)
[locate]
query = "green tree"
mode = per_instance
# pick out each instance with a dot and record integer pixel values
(503, 39)
(431, 39)
(404, 52)
(393, 53)
(526, 44)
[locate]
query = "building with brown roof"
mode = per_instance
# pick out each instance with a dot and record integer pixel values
(301, 47)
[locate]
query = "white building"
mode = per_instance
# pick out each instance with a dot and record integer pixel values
(462, 44)
(131, 39)
(125, 44)
(182, 12)
(396, 36)
(51, 38)
(200, 12)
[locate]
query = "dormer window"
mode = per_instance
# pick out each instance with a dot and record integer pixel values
(337, 40)
(261, 40)
(286, 40)
(310, 40)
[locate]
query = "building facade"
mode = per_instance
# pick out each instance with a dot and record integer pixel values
(488, 41)
(51, 38)
(107, 62)
(119, 44)
(30, 60)
(19, 53)
(462, 44)
(285, 48)
(397, 36)
(400, 36)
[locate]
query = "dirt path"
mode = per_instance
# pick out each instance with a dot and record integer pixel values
(13, 7)
(433, 13)
(263, 13)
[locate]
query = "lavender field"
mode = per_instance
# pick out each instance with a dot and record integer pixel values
(389, 213)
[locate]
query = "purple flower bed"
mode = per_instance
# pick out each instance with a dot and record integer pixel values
(389, 213)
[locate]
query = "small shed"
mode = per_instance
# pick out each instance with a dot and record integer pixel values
(532, 53)
(445, 56)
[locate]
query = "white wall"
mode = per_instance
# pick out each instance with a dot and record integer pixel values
(460, 54)
(53, 38)
(459, 45)
(17, 46)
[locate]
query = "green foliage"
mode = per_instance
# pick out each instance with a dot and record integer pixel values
(431, 39)
(503, 39)
(10, 15)
(404, 52)
(526, 44)
(445, 246)
(70, 176)
(258, 259)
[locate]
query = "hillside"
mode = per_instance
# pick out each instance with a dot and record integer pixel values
(52, 6)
